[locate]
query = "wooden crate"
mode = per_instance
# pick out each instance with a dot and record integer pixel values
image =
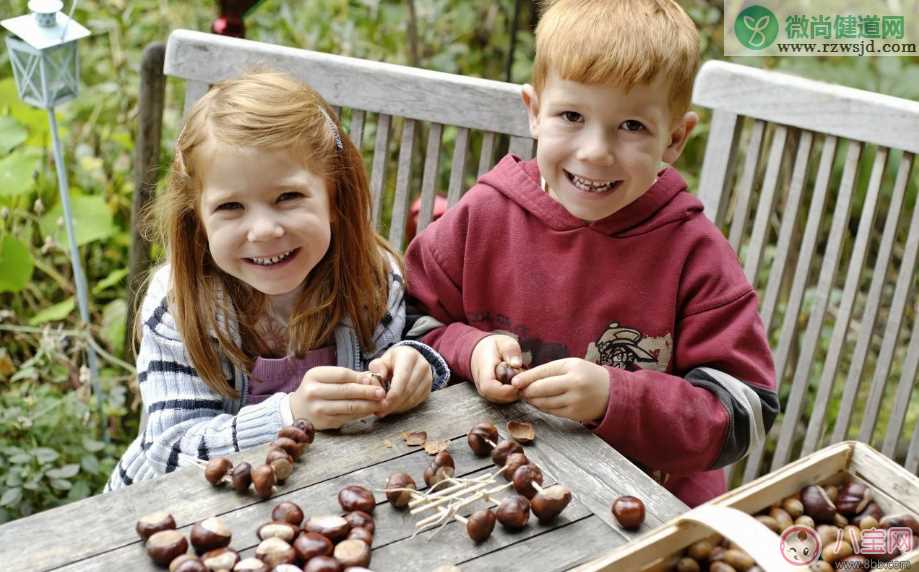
(895, 490)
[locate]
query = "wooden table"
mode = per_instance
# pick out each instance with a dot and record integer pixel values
(98, 533)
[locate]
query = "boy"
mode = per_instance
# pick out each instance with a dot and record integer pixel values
(599, 267)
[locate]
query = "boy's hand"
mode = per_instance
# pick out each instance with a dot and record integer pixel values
(409, 376)
(330, 396)
(488, 353)
(570, 387)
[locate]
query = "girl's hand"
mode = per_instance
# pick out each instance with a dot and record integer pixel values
(409, 376)
(570, 387)
(488, 353)
(330, 396)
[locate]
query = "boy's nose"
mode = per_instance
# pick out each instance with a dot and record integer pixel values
(264, 228)
(596, 148)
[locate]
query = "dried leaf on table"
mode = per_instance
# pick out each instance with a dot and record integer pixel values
(414, 438)
(387, 443)
(434, 447)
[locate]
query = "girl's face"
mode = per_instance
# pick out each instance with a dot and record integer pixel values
(266, 216)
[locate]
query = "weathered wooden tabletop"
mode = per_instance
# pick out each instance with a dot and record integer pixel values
(98, 533)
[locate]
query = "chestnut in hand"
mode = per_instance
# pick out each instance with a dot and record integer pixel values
(629, 511)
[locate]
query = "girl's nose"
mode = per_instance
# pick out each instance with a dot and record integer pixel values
(264, 228)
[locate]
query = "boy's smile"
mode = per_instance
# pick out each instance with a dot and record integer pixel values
(599, 146)
(267, 217)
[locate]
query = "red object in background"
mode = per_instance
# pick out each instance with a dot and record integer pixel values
(411, 225)
(230, 22)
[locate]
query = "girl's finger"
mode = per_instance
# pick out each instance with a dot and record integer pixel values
(352, 408)
(347, 391)
(333, 374)
(380, 367)
(546, 387)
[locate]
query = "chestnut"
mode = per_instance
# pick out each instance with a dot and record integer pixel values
(444, 459)
(853, 498)
(817, 504)
(282, 469)
(482, 439)
(294, 433)
(513, 512)
(505, 372)
(241, 477)
(356, 497)
(524, 479)
(629, 511)
(400, 498)
(310, 544)
(480, 525)
(307, 428)
(252, 565)
(287, 568)
(782, 518)
(216, 469)
(503, 450)
(441, 468)
(836, 551)
(293, 448)
(150, 524)
(867, 522)
(283, 530)
(210, 534)
(720, 566)
(820, 566)
(700, 550)
(263, 480)
(362, 534)
(220, 559)
(287, 512)
(331, 526)
(738, 559)
(900, 521)
(187, 563)
(549, 503)
(512, 463)
(872, 510)
(275, 453)
(521, 431)
(805, 520)
(165, 545)
(793, 507)
(687, 564)
(352, 553)
(770, 523)
(274, 551)
(359, 518)
(323, 564)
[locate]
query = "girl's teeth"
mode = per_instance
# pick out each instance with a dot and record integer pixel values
(271, 260)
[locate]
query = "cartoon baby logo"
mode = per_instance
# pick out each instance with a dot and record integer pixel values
(626, 348)
(800, 545)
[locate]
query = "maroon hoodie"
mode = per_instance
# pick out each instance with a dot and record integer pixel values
(653, 292)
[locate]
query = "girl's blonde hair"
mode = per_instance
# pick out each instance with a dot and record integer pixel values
(269, 110)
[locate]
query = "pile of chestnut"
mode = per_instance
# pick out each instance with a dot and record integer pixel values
(284, 451)
(289, 543)
(841, 512)
(513, 512)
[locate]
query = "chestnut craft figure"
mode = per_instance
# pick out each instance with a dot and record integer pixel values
(482, 439)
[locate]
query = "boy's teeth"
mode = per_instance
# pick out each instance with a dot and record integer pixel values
(590, 185)
(271, 260)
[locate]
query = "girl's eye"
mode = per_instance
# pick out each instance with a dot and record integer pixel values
(571, 116)
(632, 125)
(290, 195)
(229, 206)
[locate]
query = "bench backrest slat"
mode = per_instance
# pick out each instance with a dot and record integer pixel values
(837, 298)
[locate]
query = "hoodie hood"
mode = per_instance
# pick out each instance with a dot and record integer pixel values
(665, 202)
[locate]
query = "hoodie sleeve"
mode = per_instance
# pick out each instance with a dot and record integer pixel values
(434, 266)
(720, 401)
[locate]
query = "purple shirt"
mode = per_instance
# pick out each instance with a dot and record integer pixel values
(283, 375)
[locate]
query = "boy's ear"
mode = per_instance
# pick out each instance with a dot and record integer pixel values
(531, 102)
(679, 135)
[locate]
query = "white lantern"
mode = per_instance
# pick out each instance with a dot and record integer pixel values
(44, 54)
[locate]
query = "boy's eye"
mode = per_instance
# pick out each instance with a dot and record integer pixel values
(290, 195)
(229, 206)
(632, 125)
(571, 116)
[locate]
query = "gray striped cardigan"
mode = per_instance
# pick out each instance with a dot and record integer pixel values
(187, 420)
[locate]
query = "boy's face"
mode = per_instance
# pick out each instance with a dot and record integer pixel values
(599, 146)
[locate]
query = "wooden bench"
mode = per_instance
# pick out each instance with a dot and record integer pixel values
(796, 149)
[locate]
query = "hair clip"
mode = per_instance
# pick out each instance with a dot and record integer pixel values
(338, 144)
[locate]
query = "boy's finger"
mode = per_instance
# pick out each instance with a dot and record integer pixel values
(347, 391)
(547, 387)
(525, 378)
(548, 404)
(509, 351)
(498, 392)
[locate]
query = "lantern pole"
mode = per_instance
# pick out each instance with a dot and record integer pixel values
(78, 275)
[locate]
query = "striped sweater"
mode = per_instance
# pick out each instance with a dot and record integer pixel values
(188, 421)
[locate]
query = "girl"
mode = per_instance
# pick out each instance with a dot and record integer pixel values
(277, 291)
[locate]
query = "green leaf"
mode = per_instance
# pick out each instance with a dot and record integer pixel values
(61, 484)
(11, 134)
(64, 472)
(16, 265)
(21, 458)
(17, 172)
(45, 455)
(92, 220)
(92, 445)
(90, 464)
(80, 490)
(11, 497)
(54, 313)
(114, 318)
(113, 278)
(35, 120)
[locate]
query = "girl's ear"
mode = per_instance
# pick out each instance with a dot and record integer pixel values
(531, 102)
(679, 135)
